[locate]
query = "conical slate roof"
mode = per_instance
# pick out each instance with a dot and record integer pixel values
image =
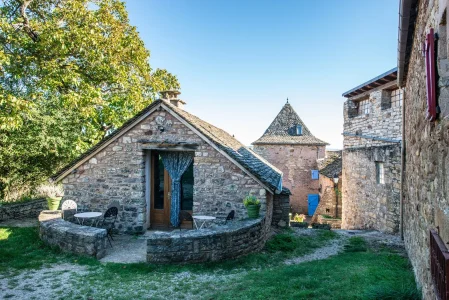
(283, 130)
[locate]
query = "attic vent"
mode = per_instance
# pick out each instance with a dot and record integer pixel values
(298, 130)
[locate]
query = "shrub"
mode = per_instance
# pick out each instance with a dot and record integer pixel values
(299, 224)
(321, 226)
(299, 218)
(251, 200)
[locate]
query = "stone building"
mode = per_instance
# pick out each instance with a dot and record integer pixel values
(372, 155)
(290, 146)
(426, 135)
(134, 164)
(330, 169)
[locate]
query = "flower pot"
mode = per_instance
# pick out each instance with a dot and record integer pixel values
(253, 211)
(53, 202)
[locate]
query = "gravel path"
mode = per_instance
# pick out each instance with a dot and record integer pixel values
(45, 283)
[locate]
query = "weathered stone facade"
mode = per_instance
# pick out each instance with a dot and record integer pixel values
(372, 156)
(281, 209)
(73, 238)
(426, 170)
(330, 199)
(224, 242)
(366, 203)
(117, 174)
(29, 209)
(296, 162)
(290, 146)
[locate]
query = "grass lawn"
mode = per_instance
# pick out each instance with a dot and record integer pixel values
(29, 269)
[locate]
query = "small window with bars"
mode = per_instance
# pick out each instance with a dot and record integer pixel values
(380, 178)
(363, 107)
(396, 98)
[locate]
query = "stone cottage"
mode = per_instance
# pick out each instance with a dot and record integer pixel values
(371, 182)
(166, 160)
(330, 169)
(290, 146)
(426, 138)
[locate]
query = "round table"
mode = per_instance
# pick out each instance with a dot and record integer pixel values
(202, 219)
(93, 215)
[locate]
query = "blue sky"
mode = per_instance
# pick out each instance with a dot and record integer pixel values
(238, 61)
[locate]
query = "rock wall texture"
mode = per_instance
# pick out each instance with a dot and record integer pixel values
(29, 209)
(73, 238)
(296, 162)
(117, 174)
(366, 203)
(281, 210)
(382, 121)
(330, 198)
(426, 184)
(224, 242)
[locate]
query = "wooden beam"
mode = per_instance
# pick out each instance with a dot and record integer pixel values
(388, 85)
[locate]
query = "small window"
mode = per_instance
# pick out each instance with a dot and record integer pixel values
(396, 98)
(298, 130)
(315, 174)
(363, 107)
(380, 173)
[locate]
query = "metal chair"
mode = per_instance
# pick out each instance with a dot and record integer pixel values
(69, 208)
(108, 223)
(230, 216)
(184, 216)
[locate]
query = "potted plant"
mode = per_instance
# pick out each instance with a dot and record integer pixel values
(53, 201)
(252, 205)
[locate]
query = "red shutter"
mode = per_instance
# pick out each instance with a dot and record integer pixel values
(429, 53)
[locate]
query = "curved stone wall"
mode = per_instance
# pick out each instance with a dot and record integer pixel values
(235, 239)
(72, 238)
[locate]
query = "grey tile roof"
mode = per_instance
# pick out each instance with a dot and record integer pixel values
(256, 165)
(330, 165)
(283, 128)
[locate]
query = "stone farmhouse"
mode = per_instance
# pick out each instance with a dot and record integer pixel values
(133, 167)
(290, 146)
(372, 131)
(423, 71)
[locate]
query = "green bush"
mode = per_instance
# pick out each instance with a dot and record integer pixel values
(251, 200)
(321, 226)
(299, 224)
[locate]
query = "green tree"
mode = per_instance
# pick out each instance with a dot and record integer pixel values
(71, 71)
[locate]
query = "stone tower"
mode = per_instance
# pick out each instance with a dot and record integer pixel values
(290, 146)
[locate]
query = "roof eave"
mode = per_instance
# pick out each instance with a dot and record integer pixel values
(376, 80)
(403, 32)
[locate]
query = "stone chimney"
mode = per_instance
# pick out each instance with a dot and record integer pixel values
(171, 96)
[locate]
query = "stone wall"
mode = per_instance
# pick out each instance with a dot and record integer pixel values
(281, 209)
(117, 174)
(426, 184)
(30, 209)
(73, 238)
(380, 122)
(296, 163)
(366, 203)
(330, 199)
(334, 223)
(235, 239)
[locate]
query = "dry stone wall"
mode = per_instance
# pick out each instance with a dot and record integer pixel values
(330, 199)
(223, 242)
(296, 163)
(380, 122)
(29, 209)
(426, 184)
(117, 174)
(73, 238)
(366, 203)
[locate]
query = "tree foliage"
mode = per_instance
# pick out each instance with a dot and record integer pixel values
(71, 71)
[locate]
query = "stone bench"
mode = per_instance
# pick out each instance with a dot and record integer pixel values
(72, 238)
(235, 239)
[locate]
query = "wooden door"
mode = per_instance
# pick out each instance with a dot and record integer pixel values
(160, 193)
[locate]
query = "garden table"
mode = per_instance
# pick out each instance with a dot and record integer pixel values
(92, 215)
(202, 220)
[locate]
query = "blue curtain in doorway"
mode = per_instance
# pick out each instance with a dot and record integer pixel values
(176, 163)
